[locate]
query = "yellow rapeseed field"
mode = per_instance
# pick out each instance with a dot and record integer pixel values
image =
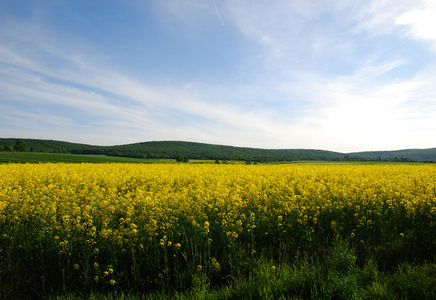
(140, 226)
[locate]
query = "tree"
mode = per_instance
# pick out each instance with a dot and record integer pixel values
(182, 159)
(21, 146)
(8, 148)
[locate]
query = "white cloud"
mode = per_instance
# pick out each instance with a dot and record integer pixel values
(377, 116)
(421, 22)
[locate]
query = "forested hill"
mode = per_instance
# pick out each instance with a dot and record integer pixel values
(175, 149)
(427, 155)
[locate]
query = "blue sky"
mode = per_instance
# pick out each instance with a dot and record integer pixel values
(334, 75)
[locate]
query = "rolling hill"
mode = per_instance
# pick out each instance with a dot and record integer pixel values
(191, 150)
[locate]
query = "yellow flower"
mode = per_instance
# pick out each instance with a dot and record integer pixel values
(114, 207)
(206, 227)
(215, 265)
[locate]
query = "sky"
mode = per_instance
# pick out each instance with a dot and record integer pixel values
(334, 75)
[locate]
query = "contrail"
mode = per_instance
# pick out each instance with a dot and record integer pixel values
(218, 12)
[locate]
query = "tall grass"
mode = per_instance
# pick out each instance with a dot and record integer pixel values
(338, 277)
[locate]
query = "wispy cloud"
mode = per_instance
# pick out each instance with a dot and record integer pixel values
(97, 96)
(366, 104)
(306, 75)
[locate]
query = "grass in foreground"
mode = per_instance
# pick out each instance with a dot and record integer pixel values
(338, 277)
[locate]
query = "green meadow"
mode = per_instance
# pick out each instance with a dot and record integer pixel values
(36, 157)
